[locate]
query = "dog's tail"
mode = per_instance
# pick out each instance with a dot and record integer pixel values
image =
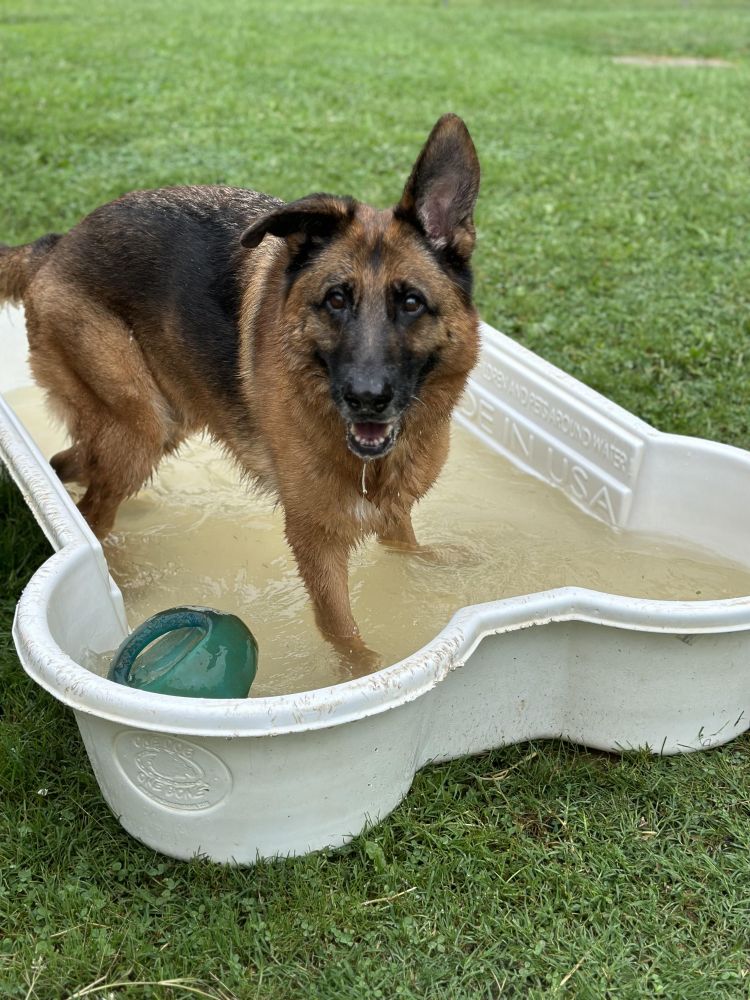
(19, 264)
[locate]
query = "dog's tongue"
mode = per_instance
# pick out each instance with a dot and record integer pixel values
(370, 432)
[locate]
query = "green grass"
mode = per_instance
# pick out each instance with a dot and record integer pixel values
(613, 222)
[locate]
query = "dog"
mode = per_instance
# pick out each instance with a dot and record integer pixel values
(322, 343)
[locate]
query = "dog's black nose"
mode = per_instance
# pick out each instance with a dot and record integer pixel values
(367, 397)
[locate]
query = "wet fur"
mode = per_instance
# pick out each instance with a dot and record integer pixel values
(185, 309)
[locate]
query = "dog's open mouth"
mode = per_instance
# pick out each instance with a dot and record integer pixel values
(370, 440)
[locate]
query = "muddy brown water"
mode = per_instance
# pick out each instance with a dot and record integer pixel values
(195, 535)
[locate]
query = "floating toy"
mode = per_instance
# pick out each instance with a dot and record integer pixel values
(188, 651)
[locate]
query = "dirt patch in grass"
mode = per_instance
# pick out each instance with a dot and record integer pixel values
(672, 61)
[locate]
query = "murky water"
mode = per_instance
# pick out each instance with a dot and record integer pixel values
(196, 536)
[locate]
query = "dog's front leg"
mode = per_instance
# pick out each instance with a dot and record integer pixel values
(398, 533)
(323, 562)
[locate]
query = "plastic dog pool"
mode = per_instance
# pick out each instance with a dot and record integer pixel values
(238, 780)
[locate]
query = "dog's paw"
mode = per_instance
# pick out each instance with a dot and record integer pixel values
(449, 554)
(358, 660)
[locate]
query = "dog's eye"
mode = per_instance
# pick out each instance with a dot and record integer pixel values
(412, 304)
(336, 300)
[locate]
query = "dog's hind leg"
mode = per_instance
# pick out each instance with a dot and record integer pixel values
(69, 465)
(99, 383)
(119, 458)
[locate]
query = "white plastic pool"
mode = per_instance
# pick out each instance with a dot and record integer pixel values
(238, 780)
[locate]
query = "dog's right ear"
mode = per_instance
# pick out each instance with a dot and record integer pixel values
(440, 194)
(318, 216)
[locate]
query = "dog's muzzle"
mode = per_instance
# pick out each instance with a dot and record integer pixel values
(367, 404)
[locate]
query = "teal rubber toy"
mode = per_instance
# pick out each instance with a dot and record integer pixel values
(192, 652)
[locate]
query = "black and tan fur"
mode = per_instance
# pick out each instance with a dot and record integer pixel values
(313, 340)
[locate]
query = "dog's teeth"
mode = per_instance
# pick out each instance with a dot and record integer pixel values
(368, 440)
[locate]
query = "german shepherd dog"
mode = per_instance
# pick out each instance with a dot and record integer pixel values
(322, 343)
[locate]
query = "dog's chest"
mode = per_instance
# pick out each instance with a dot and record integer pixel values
(364, 513)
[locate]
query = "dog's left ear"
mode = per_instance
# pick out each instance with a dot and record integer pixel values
(318, 216)
(442, 190)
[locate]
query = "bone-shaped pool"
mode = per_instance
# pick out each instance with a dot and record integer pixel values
(652, 652)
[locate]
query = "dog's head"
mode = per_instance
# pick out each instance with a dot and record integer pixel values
(378, 304)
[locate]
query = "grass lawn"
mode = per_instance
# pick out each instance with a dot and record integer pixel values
(613, 222)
